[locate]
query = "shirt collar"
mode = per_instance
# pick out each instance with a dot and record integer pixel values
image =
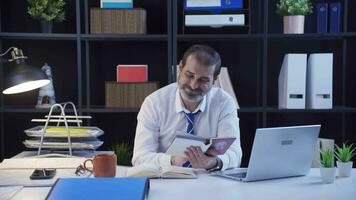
(180, 106)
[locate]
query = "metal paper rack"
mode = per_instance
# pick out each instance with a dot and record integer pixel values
(68, 133)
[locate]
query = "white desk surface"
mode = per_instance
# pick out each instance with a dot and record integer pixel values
(211, 187)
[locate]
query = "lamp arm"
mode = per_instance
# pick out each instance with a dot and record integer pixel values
(7, 51)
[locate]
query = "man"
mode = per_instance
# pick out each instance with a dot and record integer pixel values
(192, 106)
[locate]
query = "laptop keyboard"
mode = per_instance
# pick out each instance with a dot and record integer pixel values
(238, 175)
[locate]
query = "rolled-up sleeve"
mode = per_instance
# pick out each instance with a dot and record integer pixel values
(228, 126)
(147, 136)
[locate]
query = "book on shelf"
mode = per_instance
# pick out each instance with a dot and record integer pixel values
(118, 21)
(335, 17)
(322, 17)
(211, 146)
(152, 171)
(224, 82)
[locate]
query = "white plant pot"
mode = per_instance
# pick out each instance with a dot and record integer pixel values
(328, 174)
(344, 168)
(293, 24)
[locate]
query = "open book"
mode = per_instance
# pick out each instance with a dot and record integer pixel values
(212, 146)
(151, 171)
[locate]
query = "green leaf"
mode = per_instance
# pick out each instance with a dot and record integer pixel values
(294, 7)
(46, 10)
(345, 152)
(124, 154)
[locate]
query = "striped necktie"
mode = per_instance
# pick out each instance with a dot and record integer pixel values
(190, 130)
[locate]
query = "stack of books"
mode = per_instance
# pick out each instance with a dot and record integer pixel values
(216, 14)
(117, 17)
(131, 87)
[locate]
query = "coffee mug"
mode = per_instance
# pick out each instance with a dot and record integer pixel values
(104, 165)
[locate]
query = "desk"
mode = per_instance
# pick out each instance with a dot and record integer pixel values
(215, 188)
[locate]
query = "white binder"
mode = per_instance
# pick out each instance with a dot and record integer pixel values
(292, 82)
(214, 20)
(320, 81)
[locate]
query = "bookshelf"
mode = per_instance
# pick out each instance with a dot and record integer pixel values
(81, 63)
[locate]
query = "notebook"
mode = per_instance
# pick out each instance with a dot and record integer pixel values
(100, 188)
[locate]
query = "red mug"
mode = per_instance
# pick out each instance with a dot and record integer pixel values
(104, 165)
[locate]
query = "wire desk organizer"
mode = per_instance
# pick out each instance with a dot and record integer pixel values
(42, 131)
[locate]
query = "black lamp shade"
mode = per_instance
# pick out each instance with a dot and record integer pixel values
(24, 78)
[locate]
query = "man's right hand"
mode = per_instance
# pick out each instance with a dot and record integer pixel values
(178, 161)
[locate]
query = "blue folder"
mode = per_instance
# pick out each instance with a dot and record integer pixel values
(335, 17)
(225, 5)
(322, 17)
(100, 188)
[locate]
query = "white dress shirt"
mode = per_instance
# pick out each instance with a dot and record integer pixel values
(162, 116)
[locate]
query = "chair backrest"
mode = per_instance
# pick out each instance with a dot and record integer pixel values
(322, 144)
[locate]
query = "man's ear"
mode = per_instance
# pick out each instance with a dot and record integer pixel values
(180, 66)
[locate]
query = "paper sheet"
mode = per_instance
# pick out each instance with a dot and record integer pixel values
(21, 177)
(33, 163)
(6, 193)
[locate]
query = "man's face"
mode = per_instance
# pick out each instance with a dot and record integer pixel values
(195, 80)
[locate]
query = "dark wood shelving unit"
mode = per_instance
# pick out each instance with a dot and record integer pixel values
(82, 62)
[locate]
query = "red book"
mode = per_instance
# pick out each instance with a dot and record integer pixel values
(131, 73)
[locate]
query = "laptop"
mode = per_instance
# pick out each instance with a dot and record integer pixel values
(277, 153)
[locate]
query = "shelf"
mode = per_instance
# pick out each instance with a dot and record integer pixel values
(333, 110)
(31, 109)
(193, 37)
(312, 36)
(38, 36)
(143, 37)
(100, 109)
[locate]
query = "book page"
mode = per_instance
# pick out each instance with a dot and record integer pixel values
(177, 172)
(179, 145)
(144, 170)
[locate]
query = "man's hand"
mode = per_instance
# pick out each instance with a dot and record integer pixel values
(178, 161)
(198, 159)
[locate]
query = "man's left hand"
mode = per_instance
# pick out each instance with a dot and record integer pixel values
(199, 159)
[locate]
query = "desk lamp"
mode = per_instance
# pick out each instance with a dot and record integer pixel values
(22, 77)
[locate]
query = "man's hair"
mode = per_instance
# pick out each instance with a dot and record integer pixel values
(205, 56)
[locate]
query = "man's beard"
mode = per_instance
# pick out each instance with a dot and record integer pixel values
(191, 95)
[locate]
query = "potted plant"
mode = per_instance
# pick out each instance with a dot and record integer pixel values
(344, 155)
(46, 11)
(123, 152)
(327, 169)
(293, 12)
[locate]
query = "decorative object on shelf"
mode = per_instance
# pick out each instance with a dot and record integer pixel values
(116, 3)
(124, 153)
(131, 73)
(46, 97)
(127, 95)
(47, 11)
(344, 155)
(22, 77)
(327, 168)
(118, 21)
(293, 12)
